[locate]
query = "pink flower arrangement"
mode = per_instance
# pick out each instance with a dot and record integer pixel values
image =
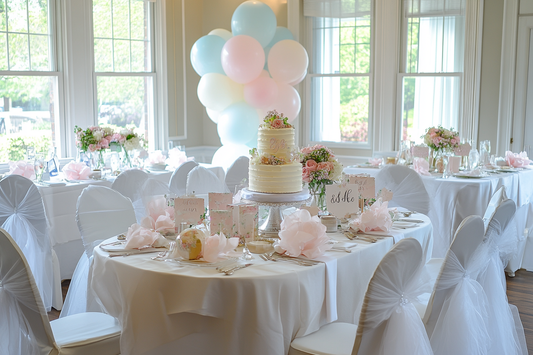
(319, 164)
(439, 138)
(274, 120)
(518, 160)
(93, 138)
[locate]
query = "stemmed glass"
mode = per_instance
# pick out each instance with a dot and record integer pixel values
(38, 166)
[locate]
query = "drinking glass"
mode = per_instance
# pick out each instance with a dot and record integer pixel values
(38, 166)
(473, 159)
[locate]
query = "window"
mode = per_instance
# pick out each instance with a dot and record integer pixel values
(29, 114)
(340, 70)
(124, 73)
(432, 64)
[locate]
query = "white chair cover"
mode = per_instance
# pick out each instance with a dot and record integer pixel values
(152, 188)
(237, 172)
(497, 198)
(22, 215)
(24, 325)
(101, 213)
(129, 183)
(501, 241)
(178, 180)
(389, 322)
(201, 181)
(407, 188)
(456, 317)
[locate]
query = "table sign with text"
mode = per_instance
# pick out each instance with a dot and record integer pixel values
(420, 152)
(463, 150)
(385, 194)
(342, 199)
(220, 200)
(248, 219)
(188, 210)
(221, 221)
(367, 185)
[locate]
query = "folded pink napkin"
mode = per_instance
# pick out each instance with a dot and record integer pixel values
(377, 218)
(421, 166)
(176, 157)
(375, 162)
(156, 157)
(158, 206)
(517, 160)
(302, 234)
(21, 168)
(218, 245)
(139, 237)
(76, 171)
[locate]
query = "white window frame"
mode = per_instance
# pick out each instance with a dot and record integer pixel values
(386, 77)
(55, 70)
(152, 74)
(307, 124)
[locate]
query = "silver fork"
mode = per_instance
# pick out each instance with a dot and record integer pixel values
(163, 255)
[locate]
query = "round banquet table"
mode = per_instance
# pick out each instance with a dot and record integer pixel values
(167, 308)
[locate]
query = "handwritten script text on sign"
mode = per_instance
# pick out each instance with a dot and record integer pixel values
(342, 199)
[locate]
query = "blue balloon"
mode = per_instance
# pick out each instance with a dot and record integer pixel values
(280, 34)
(237, 124)
(254, 19)
(253, 142)
(206, 53)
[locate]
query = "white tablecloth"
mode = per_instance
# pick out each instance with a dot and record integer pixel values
(60, 208)
(454, 199)
(167, 309)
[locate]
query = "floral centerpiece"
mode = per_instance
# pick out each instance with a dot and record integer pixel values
(320, 168)
(439, 138)
(94, 140)
(129, 140)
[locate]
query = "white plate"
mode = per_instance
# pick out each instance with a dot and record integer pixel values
(466, 176)
(401, 224)
(157, 167)
(508, 170)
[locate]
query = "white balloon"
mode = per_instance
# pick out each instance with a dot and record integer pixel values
(217, 91)
(224, 34)
(227, 154)
(213, 115)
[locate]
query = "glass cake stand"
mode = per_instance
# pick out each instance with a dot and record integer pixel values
(271, 227)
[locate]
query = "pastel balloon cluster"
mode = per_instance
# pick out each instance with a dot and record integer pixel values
(248, 72)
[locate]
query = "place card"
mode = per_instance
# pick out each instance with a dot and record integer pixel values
(221, 221)
(385, 194)
(420, 151)
(342, 199)
(453, 164)
(367, 185)
(248, 218)
(188, 210)
(313, 210)
(220, 201)
(463, 150)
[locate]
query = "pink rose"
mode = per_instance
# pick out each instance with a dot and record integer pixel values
(278, 123)
(311, 165)
(92, 147)
(326, 165)
(306, 176)
(104, 143)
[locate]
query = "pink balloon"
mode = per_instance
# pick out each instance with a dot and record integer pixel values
(261, 92)
(288, 102)
(243, 59)
(287, 61)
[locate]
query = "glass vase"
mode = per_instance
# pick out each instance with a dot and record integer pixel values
(126, 159)
(97, 158)
(318, 197)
